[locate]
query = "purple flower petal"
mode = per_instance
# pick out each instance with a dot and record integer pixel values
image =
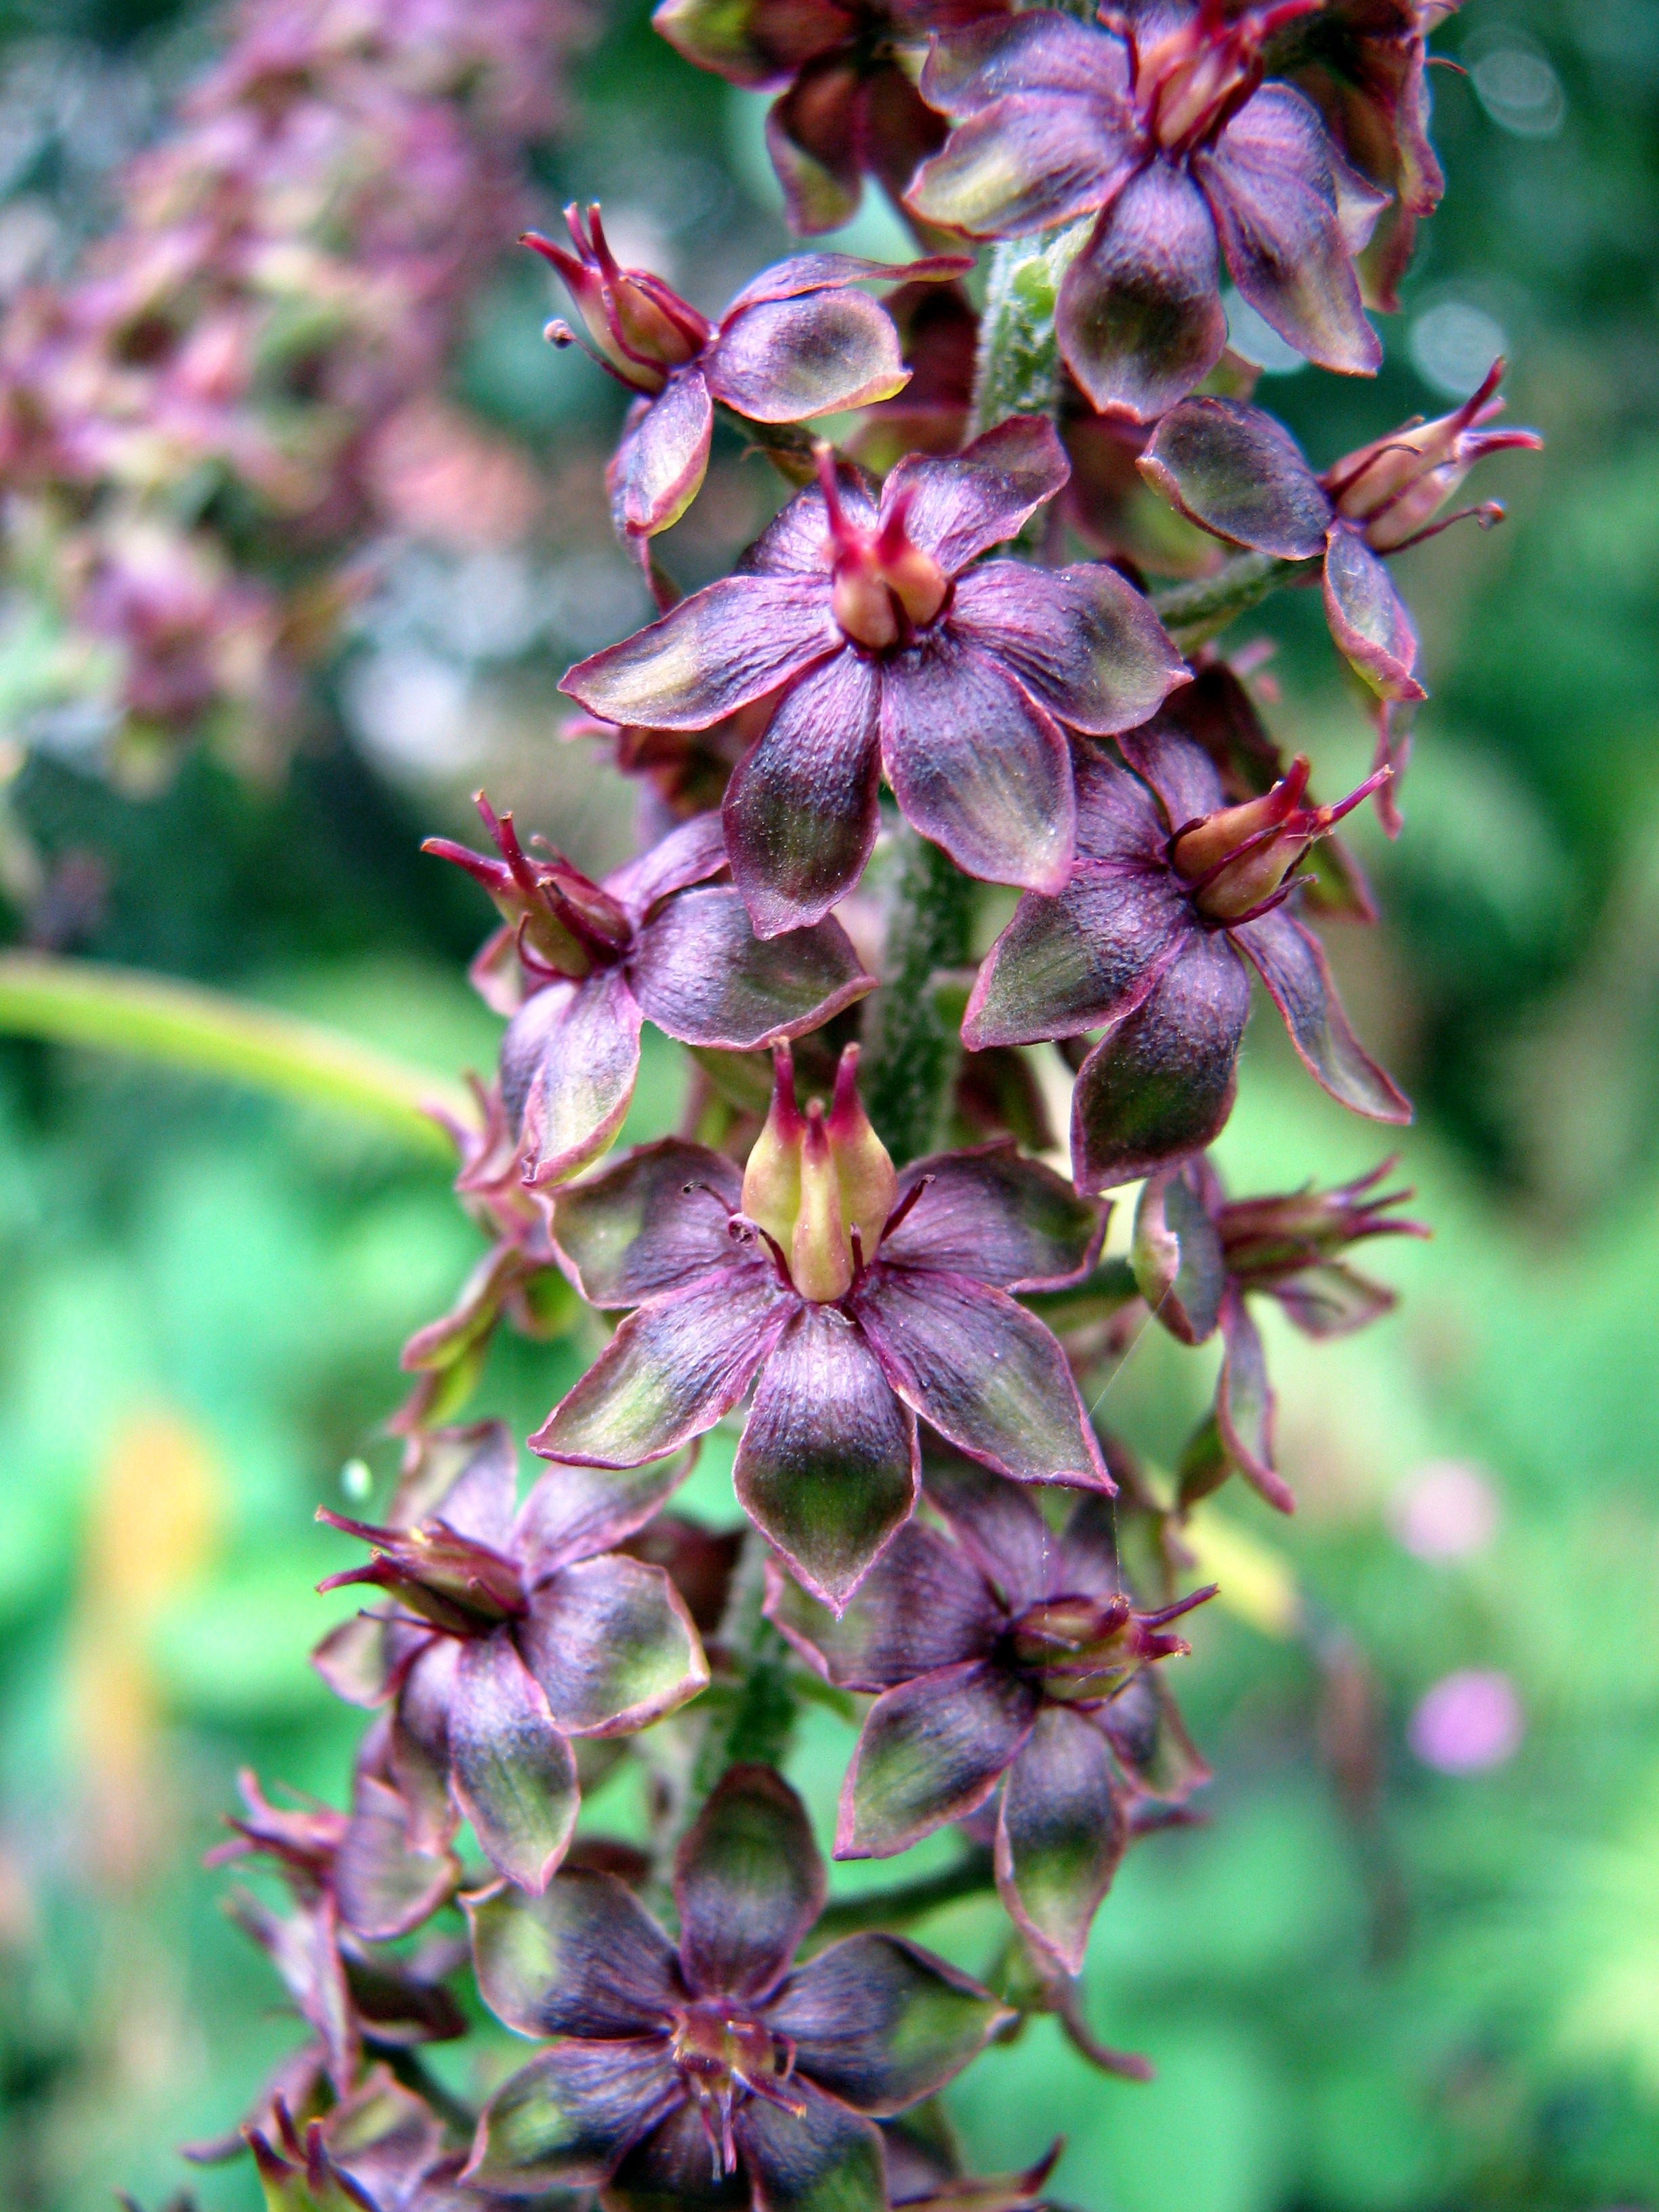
(732, 642)
(997, 1526)
(1290, 961)
(1082, 641)
(467, 1478)
(983, 1372)
(921, 1607)
(670, 1370)
(1029, 162)
(690, 853)
(662, 456)
(1179, 1266)
(800, 809)
(656, 1221)
(702, 976)
(992, 1214)
(1084, 1564)
(565, 2120)
(1181, 773)
(881, 2025)
(796, 542)
(576, 1512)
(1060, 1833)
(1150, 1742)
(1235, 471)
(931, 1751)
(1078, 962)
(823, 2159)
(1332, 1299)
(354, 1661)
(612, 1646)
(1270, 184)
(813, 137)
(1139, 316)
(384, 1885)
(782, 360)
(514, 1775)
(828, 1465)
(1162, 1083)
(1038, 50)
(569, 1063)
(1245, 1406)
(749, 1882)
(957, 508)
(976, 765)
(585, 1958)
(1370, 621)
(823, 272)
(670, 2170)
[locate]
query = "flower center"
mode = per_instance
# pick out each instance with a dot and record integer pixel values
(725, 2054)
(819, 1186)
(1235, 861)
(1189, 83)
(886, 586)
(1084, 1650)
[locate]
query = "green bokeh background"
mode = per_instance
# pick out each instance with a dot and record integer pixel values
(1450, 2000)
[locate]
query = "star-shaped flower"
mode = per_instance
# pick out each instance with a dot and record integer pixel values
(1161, 128)
(510, 1632)
(855, 1300)
(888, 650)
(711, 2072)
(1174, 892)
(1013, 1656)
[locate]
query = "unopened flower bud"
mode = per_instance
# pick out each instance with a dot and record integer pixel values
(640, 326)
(1189, 83)
(1393, 489)
(820, 1186)
(1088, 1649)
(1236, 859)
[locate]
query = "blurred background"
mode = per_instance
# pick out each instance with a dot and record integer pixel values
(250, 653)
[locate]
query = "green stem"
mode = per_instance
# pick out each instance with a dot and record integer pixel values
(1194, 613)
(913, 1046)
(182, 1025)
(910, 1902)
(1018, 368)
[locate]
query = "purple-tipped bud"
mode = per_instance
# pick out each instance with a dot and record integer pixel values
(641, 328)
(885, 588)
(821, 1187)
(1393, 488)
(1088, 1649)
(563, 923)
(1236, 859)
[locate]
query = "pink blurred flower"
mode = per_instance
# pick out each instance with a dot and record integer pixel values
(1448, 1510)
(1468, 1722)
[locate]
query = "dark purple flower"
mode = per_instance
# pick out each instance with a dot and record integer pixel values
(1009, 1656)
(889, 653)
(795, 342)
(1174, 892)
(510, 1631)
(1240, 475)
(577, 965)
(855, 1298)
(1199, 1257)
(848, 106)
(1161, 128)
(696, 2073)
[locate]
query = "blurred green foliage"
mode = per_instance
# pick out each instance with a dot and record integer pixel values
(1368, 1986)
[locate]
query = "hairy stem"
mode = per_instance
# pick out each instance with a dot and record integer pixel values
(913, 1046)
(1018, 367)
(1194, 613)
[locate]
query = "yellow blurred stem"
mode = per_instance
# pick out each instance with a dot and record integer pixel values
(181, 1025)
(1256, 1583)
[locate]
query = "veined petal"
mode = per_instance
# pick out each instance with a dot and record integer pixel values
(1235, 471)
(1061, 1832)
(1038, 50)
(467, 1478)
(796, 541)
(1176, 1255)
(992, 1214)
(656, 1221)
(514, 1775)
(1082, 641)
(702, 976)
(355, 1661)
(812, 134)
(1245, 1404)
(921, 1607)
(1269, 184)
(800, 809)
(976, 765)
(1150, 1742)
(669, 1372)
(957, 508)
(1370, 621)
(823, 2159)
(996, 1526)
(824, 272)
(1332, 1299)
(663, 455)
(1172, 765)
(565, 2120)
(782, 361)
(670, 2170)
(1080, 961)
(1084, 1564)
(1161, 1083)
(690, 853)
(755, 42)
(1030, 161)
(384, 1882)
(585, 1958)
(828, 1465)
(1290, 961)
(1139, 316)
(575, 1512)
(612, 1646)
(749, 1883)
(931, 1751)
(569, 1063)
(880, 2024)
(733, 641)
(982, 1372)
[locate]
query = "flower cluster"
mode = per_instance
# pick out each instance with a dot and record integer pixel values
(867, 1269)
